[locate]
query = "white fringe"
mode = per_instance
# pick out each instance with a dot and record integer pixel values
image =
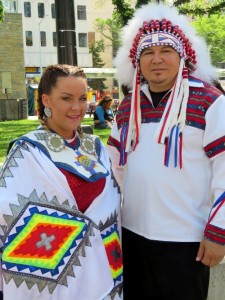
(131, 135)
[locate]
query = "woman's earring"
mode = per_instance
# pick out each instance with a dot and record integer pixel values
(48, 112)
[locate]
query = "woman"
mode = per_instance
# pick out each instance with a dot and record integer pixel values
(60, 206)
(103, 115)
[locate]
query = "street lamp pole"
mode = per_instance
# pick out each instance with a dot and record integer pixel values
(40, 52)
(66, 33)
(69, 46)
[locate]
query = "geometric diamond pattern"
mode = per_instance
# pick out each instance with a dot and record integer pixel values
(113, 249)
(44, 240)
(26, 248)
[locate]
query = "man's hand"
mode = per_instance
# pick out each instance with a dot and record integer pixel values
(210, 253)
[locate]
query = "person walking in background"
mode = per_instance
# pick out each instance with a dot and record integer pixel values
(103, 115)
(30, 97)
(168, 155)
(59, 203)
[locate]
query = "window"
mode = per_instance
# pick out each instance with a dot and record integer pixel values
(41, 10)
(81, 12)
(53, 10)
(82, 39)
(10, 6)
(43, 38)
(29, 38)
(54, 39)
(27, 9)
(14, 6)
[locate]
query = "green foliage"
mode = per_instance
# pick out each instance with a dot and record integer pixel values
(142, 2)
(201, 7)
(179, 2)
(9, 130)
(97, 84)
(96, 49)
(194, 8)
(110, 29)
(1, 11)
(212, 29)
(124, 10)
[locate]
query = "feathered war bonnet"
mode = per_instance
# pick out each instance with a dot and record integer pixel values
(154, 25)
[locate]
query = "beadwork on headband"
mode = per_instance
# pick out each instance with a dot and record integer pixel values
(156, 33)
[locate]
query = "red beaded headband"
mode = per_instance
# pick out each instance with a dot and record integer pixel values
(167, 35)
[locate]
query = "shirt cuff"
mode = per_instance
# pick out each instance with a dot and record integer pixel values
(215, 234)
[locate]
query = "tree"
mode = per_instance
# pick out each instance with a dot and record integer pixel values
(194, 8)
(1, 11)
(212, 29)
(200, 7)
(95, 49)
(109, 30)
(123, 10)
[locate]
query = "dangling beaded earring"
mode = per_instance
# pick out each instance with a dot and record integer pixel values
(48, 112)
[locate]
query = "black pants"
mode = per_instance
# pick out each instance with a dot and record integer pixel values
(155, 270)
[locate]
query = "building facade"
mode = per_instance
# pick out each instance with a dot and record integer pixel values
(39, 33)
(12, 72)
(31, 43)
(12, 69)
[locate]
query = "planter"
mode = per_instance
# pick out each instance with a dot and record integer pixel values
(13, 109)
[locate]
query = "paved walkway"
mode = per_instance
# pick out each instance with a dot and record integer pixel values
(217, 283)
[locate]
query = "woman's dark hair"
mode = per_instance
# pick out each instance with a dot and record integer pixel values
(49, 80)
(104, 101)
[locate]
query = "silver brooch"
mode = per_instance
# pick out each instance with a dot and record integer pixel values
(55, 142)
(87, 145)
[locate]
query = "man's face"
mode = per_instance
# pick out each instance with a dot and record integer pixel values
(159, 66)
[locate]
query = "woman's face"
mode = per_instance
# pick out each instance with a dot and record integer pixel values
(68, 103)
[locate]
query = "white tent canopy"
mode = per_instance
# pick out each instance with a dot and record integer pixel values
(100, 72)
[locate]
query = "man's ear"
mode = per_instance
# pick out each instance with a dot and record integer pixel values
(45, 100)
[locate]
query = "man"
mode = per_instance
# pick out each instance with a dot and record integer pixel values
(168, 155)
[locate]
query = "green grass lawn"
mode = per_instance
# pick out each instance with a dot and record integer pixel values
(10, 130)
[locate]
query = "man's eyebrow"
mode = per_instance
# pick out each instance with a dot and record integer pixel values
(147, 49)
(166, 46)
